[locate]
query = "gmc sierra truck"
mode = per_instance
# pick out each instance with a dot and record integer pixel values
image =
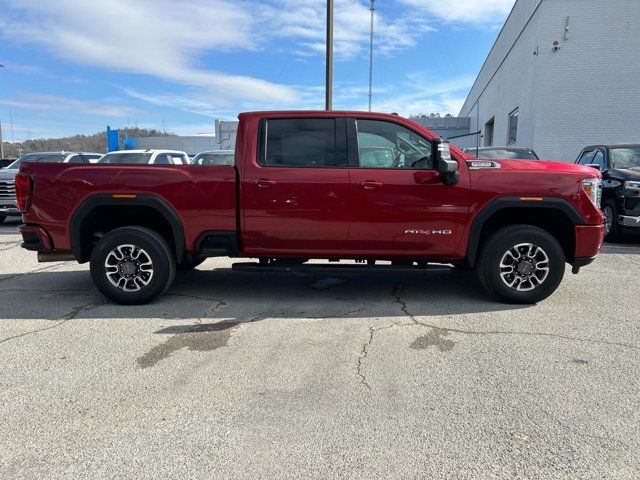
(318, 185)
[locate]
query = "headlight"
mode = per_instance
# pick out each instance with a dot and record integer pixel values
(632, 185)
(592, 187)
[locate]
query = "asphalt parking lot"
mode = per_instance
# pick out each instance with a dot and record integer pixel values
(237, 375)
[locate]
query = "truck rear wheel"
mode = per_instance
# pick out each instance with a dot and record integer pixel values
(521, 264)
(132, 265)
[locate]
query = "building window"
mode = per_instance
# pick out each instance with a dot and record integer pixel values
(488, 132)
(513, 127)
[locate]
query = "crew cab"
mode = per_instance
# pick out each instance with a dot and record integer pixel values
(620, 168)
(300, 190)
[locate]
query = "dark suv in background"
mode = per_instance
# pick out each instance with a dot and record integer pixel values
(620, 167)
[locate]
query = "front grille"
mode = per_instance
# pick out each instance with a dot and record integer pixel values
(7, 189)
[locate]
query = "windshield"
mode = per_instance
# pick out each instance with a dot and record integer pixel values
(132, 157)
(38, 158)
(628, 157)
(505, 153)
(213, 159)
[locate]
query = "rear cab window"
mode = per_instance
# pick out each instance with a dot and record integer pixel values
(302, 143)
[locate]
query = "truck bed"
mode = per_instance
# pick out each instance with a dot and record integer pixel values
(204, 198)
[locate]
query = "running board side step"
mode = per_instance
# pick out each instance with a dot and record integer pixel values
(316, 267)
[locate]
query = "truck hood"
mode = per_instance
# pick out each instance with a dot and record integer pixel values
(547, 167)
(625, 173)
(7, 174)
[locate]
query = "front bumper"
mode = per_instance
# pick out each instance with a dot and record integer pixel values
(589, 240)
(10, 209)
(629, 221)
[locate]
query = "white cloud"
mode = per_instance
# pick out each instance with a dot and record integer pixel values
(465, 11)
(167, 39)
(55, 103)
(161, 38)
(305, 21)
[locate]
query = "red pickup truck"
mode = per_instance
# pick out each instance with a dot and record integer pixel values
(318, 185)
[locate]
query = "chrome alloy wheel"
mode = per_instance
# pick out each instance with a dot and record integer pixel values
(524, 267)
(608, 219)
(128, 268)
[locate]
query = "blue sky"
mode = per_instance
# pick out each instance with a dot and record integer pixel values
(74, 66)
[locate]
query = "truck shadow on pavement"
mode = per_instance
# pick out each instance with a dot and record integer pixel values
(223, 294)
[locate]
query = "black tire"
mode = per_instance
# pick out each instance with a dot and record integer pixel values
(505, 240)
(188, 266)
(613, 232)
(157, 251)
(2, 218)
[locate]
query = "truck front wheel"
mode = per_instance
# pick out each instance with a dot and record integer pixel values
(521, 264)
(132, 265)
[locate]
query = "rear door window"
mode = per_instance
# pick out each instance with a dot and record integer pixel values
(300, 142)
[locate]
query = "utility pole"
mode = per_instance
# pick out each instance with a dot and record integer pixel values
(329, 74)
(373, 11)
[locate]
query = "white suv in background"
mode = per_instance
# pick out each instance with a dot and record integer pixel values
(146, 157)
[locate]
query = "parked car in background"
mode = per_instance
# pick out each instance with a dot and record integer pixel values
(146, 157)
(214, 158)
(513, 153)
(620, 168)
(5, 162)
(8, 207)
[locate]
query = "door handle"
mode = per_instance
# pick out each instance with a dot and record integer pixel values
(265, 182)
(370, 184)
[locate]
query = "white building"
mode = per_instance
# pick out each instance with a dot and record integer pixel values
(561, 75)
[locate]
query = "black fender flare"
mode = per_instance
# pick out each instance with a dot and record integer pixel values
(502, 203)
(112, 199)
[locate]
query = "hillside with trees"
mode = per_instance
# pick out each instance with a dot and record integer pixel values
(96, 142)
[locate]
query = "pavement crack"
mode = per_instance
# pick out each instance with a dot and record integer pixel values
(435, 336)
(398, 288)
(37, 270)
(67, 317)
(363, 354)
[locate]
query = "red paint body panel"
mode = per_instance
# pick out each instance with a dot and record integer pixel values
(589, 240)
(318, 212)
(203, 197)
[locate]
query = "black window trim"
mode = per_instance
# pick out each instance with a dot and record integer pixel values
(340, 137)
(354, 146)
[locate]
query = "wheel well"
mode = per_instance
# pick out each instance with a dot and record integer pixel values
(102, 219)
(553, 220)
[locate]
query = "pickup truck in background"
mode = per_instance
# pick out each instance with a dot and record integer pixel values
(300, 189)
(620, 169)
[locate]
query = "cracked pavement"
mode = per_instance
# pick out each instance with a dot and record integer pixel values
(381, 375)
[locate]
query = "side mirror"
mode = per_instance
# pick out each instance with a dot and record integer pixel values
(446, 165)
(594, 165)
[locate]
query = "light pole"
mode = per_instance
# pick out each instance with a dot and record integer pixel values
(373, 11)
(329, 73)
